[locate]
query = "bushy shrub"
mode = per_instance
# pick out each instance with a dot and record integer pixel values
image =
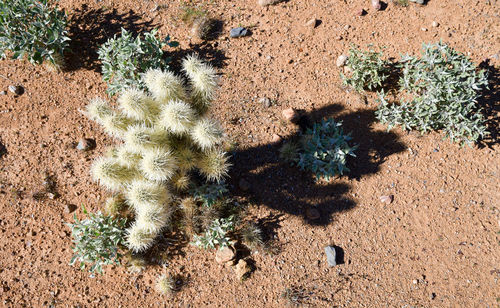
(168, 141)
(125, 58)
(34, 29)
(97, 240)
(443, 86)
(365, 69)
(322, 149)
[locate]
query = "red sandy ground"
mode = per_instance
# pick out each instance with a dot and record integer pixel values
(436, 245)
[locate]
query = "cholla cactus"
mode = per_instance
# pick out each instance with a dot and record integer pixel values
(166, 136)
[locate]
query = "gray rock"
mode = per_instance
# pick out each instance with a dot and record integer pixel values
(86, 144)
(418, 1)
(331, 255)
(17, 90)
(266, 102)
(239, 32)
(3, 93)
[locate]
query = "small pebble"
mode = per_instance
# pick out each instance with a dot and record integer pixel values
(360, 12)
(312, 213)
(70, 208)
(17, 90)
(238, 32)
(268, 2)
(387, 199)
(312, 23)
(3, 93)
(243, 184)
(341, 60)
(290, 114)
(275, 138)
(376, 5)
(86, 144)
(331, 255)
(266, 102)
(225, 255)
(423, 29)
(435, 24)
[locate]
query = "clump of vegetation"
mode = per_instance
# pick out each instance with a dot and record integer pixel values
(97, 240)
(251, 236)
(443, 87)
(403, 3)
(322, 149)
(34, 29)
(365, 69)
(169, 145)
(216, 235)
(165, 285)
(125, 58)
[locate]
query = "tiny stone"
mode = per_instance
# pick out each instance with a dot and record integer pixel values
(238, 32)
(341, 60)
(276, 138)
(312, 213)
(86, 144)
(312, 23)
(415, 281)
(224, 255)
(70, 208)
(17, 90)
(268, 2)
(331, 256)
(376, 5)
(360, 12)
(387, 199)
(266, 102)
(243, 184)
(435, 24)
(433, 295)
(3, 93)
(242, 269)
(423, 29)
(290, 114)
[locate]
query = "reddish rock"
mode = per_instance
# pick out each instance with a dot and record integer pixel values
(290, 115)
(225, 255)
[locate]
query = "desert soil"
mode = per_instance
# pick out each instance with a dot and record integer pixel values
(435, 245)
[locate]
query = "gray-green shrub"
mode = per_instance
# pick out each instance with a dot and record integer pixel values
(33, 28)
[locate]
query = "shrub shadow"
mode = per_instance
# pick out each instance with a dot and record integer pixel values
(276, 184)
(90, 28)
(490, 102)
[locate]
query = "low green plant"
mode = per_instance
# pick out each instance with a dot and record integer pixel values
(216, 235)
(322, 149)
(125, 58)
(33, 28)
(365, 69)
(209, 193)
(442, 87)
(97, 240)
(168, 140)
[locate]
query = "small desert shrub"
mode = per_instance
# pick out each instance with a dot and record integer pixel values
(365, 69)
(443, 86)
(169, 144)
(216, 235)
(209, 193)
(322, 149)
(125, 58)
(34, 29)
(97, 240)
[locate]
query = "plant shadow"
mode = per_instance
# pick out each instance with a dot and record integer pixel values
(279, 186)
(489, 100)
(90, 28)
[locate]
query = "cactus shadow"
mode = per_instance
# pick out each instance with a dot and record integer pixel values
(205, 50)
(489, 100)
(90, 28)
(287, 189)
(3, 149)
